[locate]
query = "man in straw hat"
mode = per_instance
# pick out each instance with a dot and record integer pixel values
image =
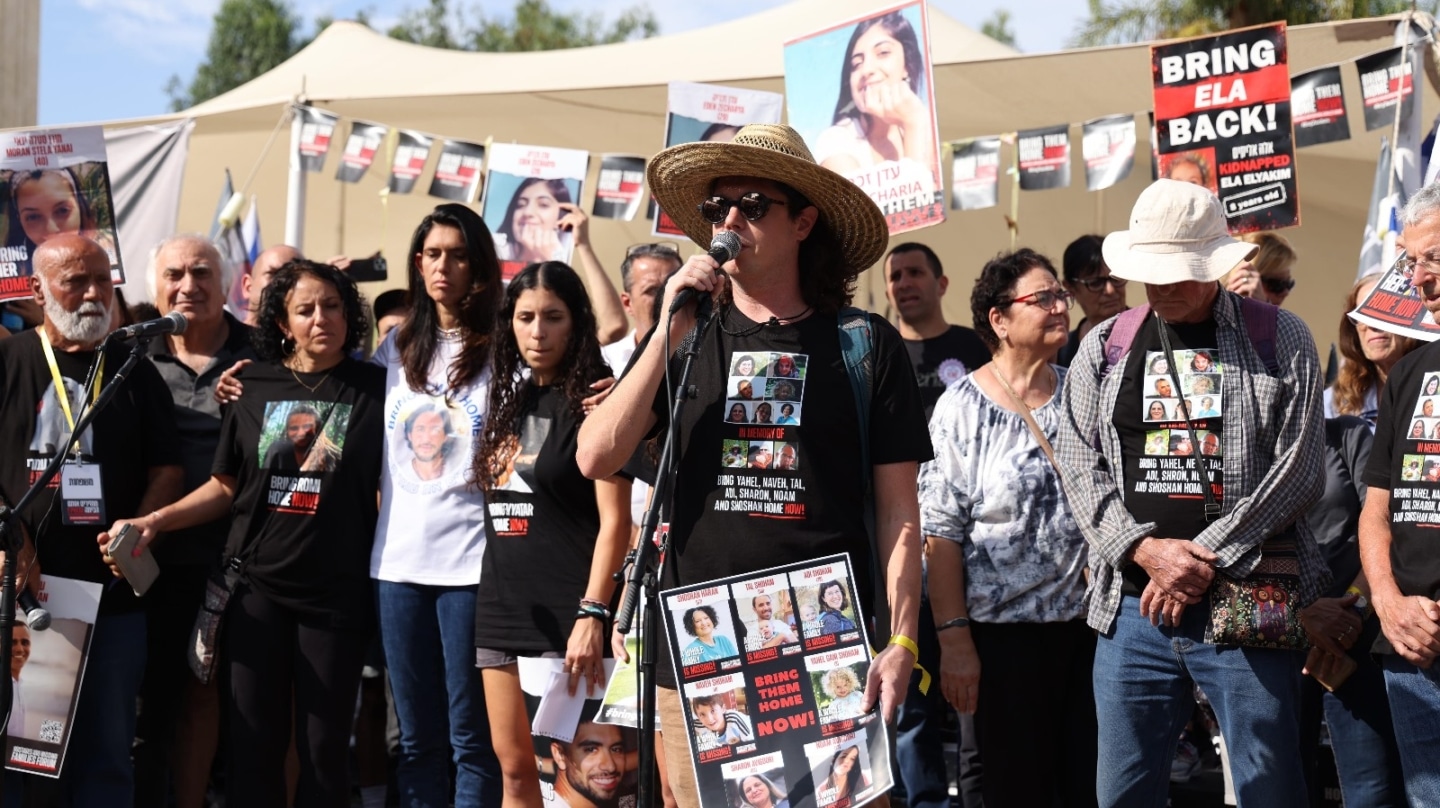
(805, 234)
(1398, 533)
(1158, 545)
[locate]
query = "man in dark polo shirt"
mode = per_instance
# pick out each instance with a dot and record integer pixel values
(178, 721)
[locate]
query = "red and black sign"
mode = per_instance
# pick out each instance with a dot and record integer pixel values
(410, 155)
(1044, 157)
(1317, 104)
(316, 129)
(360, 148)
(1384, 81)
(457, 172)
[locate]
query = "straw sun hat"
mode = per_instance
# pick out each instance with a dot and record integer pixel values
(1177, 233)
(680, 179)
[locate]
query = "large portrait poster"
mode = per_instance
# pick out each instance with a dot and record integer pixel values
(772, 668)
(1394, 305)
(528, 192)
(1222, 109)
(46, 669)
(583, 761)
(52, 181)
(709, 112)
(861, 93)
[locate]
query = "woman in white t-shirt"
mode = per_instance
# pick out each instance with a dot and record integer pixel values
(430, 538)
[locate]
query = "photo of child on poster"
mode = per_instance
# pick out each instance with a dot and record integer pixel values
(46, 670)
(861, 94)
(529, 194)
(838, 678)
(721, 719)
(52, 181)
(827, 591)
(582, 762)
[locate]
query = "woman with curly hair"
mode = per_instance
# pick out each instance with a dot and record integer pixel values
(846, 698)
(1369, 355)
(299, 621)
(701, 623)
(553, 537)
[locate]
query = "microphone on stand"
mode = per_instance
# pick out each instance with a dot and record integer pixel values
(36, 617)
(172, 323)
(723, 248)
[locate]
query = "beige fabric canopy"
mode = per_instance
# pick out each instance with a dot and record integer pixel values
(612, 98)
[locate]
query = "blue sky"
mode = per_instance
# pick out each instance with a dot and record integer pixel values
(110, 59)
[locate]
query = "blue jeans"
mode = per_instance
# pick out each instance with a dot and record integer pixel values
(1415, 707)
(1361, 732)
(97, 765)
(429, 638)
(919, 754)
(1143, 682)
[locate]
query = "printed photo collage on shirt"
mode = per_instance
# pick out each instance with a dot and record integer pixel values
(766, 389)
(1425, 421)
(1199, 397)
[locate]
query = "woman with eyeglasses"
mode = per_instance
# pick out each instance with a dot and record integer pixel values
(1100, 295)
(1267, 276)
(1007, 559)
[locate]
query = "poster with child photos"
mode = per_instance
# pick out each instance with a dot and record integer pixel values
(773, 669)
(1169, 415)
(1422, 463)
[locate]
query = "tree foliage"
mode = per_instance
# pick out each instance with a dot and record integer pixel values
(248, 38)
(1122, 21)
(998, 27)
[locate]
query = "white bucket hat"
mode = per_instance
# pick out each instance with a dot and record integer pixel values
(1177, 233)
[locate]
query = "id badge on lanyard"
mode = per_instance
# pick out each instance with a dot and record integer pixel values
(82, 498)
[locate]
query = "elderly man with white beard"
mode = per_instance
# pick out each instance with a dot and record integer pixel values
(128, 462)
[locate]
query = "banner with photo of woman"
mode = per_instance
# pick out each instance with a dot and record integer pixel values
(861, 93)
(710, 112)
(582, 760)
(528, 191)
(46, 669)
(52, 181)
(772, 668)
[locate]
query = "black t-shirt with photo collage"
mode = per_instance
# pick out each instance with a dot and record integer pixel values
(1162, 483)
(1405, 460)
(769, 473)
(307, 464)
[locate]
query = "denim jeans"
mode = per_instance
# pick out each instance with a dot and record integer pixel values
(1143, 682)
(98, 770)
(919, 754)
(429, 638)
(1415, 707)
(1361, 732)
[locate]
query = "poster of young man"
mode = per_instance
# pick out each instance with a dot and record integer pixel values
(583, 763)
(46, 671)
(1044, 157)
(411, 153)
(1108, 146)
(619, 187)
(759, 716)
(529, 190)
(457, 171)
(1395, 306)
(861, 93)
(360, 148)
(1223, 102)
(317, 127)
(975, 173)
(709, 112)
(1317, 102)
(52, 181)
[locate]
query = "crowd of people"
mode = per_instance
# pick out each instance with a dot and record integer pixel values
(1110, 543)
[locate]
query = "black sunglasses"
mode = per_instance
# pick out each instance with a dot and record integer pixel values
(1097, 285)
(1275, 286)
(753, 206)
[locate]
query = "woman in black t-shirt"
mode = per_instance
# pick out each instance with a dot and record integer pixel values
(297, 468)
(554, 538)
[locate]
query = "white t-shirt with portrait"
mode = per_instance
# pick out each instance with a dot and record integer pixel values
(432, 525)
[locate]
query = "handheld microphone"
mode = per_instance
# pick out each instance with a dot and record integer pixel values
(723, 248)
(172, 323)
(36, 617)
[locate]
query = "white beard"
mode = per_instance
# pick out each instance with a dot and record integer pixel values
(80, 325)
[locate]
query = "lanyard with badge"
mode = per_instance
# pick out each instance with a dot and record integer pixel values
(82, 500)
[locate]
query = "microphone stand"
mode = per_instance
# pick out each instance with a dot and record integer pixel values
(645, 562)
(9, 515)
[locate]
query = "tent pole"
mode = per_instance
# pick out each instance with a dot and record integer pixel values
(295, 192)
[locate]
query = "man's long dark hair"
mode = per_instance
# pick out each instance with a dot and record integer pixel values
(417, 336)
(510, 390)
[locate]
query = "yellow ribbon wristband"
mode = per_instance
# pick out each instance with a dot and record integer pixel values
(909, 645)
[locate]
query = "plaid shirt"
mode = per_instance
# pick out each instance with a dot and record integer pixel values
(1274, 446)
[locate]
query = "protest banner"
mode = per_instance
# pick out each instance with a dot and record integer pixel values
(1394, 305)
(410, 155)
(360, 148)
(582, 760)
(1108, 146)
(709, 112)
(526, 195)
(46, 670)
(1222, 109)
(975, 173)
(1384, 81)
(1317, 104)
(52, 181)
(1044, 157)
(316, 128)
(619, 187)
(771, 667)
(457, 171)
(876, 125)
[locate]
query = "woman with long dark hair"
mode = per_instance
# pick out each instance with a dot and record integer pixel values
(531, 229)
(547, 586)
(428, 547)
(845, 779)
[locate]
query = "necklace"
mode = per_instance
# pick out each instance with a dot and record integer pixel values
(773, 321)
(450, 333)
(994, 371)
(311, 388)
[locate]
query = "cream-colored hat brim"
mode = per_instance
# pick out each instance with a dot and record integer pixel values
(1172, 262)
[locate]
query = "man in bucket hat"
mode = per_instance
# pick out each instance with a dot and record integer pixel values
(805, 234)
(1165, 532)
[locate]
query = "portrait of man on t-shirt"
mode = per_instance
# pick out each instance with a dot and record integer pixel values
(303, 436)
(519, 474)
